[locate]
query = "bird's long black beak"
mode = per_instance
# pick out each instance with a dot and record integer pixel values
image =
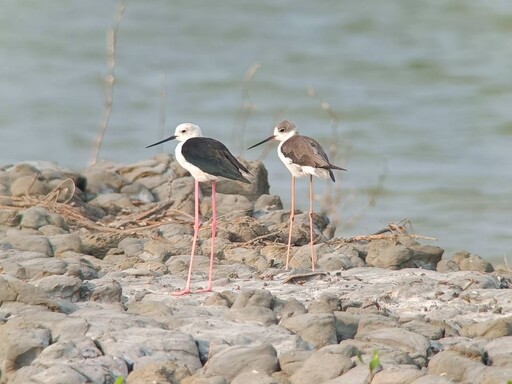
(162, 141)
(264, 141)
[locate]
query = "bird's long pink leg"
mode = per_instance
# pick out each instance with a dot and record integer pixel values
(311, 222)
(214, 230)
(196, 230)
(292, 218)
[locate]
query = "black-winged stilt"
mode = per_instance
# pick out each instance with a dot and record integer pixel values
(302, 156)
(206, 159)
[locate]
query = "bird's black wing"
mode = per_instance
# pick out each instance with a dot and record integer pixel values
(211, 156)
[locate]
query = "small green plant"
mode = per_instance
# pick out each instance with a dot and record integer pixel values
(374, 362)
(119, 380)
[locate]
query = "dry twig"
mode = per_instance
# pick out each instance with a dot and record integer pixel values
(109, 80)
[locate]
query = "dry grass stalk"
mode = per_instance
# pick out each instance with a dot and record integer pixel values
(60, 201)
(392, 231)
(247, 107)
(109, 80)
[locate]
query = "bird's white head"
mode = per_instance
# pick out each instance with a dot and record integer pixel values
(183, 132)
(284, 130)
(186, 131)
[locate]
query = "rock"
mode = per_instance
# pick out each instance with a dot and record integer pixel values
(35, 217)
(415, 345)
(253, 297)
(160, 250)
(346, 257)
(138, 192)
(205, 380)
(470, 262)
(114, 203)
(385, 254)
(25, 241)
(317, 329)
(290, 362)
(156, 310)
(232, 361)
(51, 230)
(181, 194)
(252, 314)
(369, 323)
(489, 329)
(221, 246)
(247, 256)
(430, 331)
(499, 352)
(83, 356)
(132, 246)
(57, 374)
(182, 245)
(245, 228)
(21, 344)
(161, 373)
(274, 217)
(302, 257)
(22, 170)
(259, 183)
(446, 266)
(357, 375)
(224, 298)
(426, 256)
(229, 207)
(29, 265)
(155, 167)
(431, 379)
(322, 366)
(28, 186)
(288, 308)
(64, 287)
(26, 293)
(395, 375)
(454, 366)
(395, 255)
(253, 377)
(98, 244)
(8, 217)
(79, 265)
(267, 203)
(326, 303)
(66, 242)
(346, 325)
(104, 291)
(101, 180)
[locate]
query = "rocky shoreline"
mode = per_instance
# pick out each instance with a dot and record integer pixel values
(88, 262)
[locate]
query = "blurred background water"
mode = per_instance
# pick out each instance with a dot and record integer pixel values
(422, 91)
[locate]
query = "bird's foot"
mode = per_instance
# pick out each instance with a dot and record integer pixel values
(207, 289)
(186, 291)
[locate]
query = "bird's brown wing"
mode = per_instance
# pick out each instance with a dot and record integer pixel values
(305, 151)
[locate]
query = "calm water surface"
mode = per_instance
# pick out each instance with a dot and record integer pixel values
(422, 94)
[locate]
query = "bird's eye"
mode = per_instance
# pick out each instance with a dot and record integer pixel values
(183, 131)
(281, 130)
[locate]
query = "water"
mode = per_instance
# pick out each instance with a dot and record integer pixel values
(422, 90)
